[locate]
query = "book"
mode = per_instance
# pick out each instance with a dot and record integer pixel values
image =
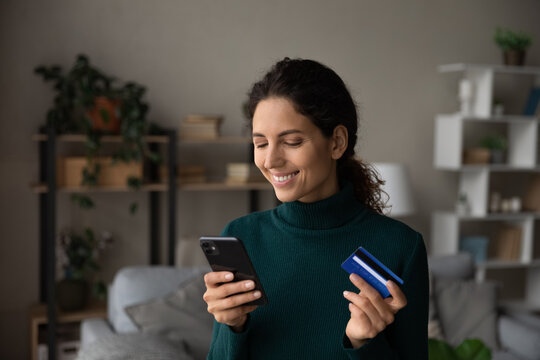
(507, 244)
(185, 174)
(204, 127)
(531, 107)
(243, 173)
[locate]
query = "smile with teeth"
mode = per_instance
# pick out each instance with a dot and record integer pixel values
(286, 177)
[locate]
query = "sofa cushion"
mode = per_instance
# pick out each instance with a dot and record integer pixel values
(180, 316)
(134, 346)
(467, 309)
(132, 285)
(520, 336)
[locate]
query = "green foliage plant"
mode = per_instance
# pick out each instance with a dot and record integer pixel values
(78, 257)
(470, 349)
(509, 40)
(76, 94)
(494, 142)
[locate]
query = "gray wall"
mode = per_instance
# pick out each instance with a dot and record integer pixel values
(201, 56)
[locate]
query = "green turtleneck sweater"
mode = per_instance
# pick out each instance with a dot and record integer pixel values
(297, 250)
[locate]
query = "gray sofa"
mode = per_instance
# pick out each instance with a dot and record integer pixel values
(154, 312)
(466, 309)
(172, 322)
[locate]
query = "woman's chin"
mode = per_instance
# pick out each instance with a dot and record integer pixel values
(284, 196)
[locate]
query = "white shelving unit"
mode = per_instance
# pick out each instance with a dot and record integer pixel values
(475, 181)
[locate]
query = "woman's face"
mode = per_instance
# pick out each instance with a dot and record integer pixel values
(292, 153)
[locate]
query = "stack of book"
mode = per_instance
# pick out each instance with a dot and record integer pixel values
(200, 127)
(240, 173)
(507, 244)
(185, 174)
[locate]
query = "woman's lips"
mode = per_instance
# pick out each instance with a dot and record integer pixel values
(283, 179)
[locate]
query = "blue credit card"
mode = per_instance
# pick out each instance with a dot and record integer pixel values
(365, 265)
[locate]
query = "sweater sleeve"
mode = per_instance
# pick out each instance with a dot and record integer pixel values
(226, 344)
(406, 338)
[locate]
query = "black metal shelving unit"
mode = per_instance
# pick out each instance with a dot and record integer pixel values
(47, 224)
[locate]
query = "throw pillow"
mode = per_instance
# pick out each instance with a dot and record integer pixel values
(180, 316)
(467, 310)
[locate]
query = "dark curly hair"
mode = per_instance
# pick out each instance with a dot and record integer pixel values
(318, 93)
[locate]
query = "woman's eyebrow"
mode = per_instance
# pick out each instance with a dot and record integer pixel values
(283, 133)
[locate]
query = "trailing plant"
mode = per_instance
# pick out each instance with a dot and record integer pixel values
(509, 40)
(90, 102)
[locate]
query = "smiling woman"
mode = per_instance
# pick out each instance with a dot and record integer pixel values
(299, 161)
(304, 126)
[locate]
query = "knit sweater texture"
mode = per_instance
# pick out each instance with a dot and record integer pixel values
(297, 250)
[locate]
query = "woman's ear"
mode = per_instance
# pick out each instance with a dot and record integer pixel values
(340, 140)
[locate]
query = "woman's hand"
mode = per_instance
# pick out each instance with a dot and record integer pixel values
(227, 308)
(370, 313)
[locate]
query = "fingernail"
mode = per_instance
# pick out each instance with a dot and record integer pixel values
(256, 294)
(345, 293)
(390, 283)
(249, 284)
(353, 276)
(229, 276)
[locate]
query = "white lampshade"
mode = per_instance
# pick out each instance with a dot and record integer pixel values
(398, 188)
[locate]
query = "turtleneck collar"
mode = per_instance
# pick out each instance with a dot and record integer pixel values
(328, 213)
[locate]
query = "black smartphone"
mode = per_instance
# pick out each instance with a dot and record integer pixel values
(229, 254)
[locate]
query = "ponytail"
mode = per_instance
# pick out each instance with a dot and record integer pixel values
(366, 182)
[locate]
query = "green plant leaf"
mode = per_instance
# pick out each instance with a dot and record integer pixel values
(473, 349)
(439, 350)
(134, 183)
(83, 201)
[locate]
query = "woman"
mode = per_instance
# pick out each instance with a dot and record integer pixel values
(304, 127)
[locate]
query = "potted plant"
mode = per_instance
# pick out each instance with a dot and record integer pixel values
(496, 144)
(90, 102)
(513, 44)
(78, 256)
(470, 349)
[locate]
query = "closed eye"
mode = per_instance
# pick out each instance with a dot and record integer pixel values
(293, 143)
(260, 146)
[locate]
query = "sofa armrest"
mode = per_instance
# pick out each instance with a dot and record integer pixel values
(93, 329)
(519, 337)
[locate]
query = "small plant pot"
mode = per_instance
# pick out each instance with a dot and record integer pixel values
(514, 58)
(104, 115)
(476, 156)
(71, 294)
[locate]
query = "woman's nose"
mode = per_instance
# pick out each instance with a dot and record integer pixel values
(273, 158)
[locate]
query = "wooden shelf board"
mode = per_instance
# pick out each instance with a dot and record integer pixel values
(502, 264)
(498, 168)
(219, 140)
(38, 313)
(493, 216)
(42, 188)
(501, 119)
(222, 186)
(502, 69)
(104, 138)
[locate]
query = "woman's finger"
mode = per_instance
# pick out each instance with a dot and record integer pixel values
(229, 289)
(232, 302)
(399, 300)
(365, 288)
(379, 321)
(216, 278)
